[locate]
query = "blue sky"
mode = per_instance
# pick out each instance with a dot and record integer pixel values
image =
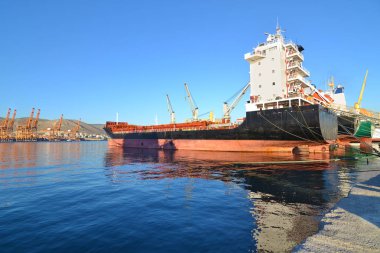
(90, 59)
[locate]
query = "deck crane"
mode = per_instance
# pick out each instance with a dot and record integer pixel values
(227, 109)
(358, 104)
(170, 109)
(193, 106)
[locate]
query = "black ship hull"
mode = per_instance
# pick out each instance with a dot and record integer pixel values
(312, 123)
(268, 130)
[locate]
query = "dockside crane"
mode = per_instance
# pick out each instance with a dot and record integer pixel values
(73, 132)
(170, 109)
(54, 132)
(30, 120)
(10, 125)
(35, 124)
(193, 106)
(4, 126)
(5, 122)
(58, 124)
(227, 109)
(25, 132)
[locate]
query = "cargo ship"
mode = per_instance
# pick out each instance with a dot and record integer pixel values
(284, 113)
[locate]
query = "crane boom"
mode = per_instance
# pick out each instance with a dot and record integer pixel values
(357, 105)
(77, 126)
(170, 109)
(228, 109)
(5, 122)
(73, 132)
(11, 123)
(29, 124)
(35, 122)
(193, 106)
(57, 126)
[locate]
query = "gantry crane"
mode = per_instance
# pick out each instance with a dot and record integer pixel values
(24, 133)
(10, 125)
(170, 109)
(73, 132)
(35, 125)
(227, 109)
(54, 132)
(193, 106)
(4, 126)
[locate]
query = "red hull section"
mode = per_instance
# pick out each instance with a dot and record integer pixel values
(222, 145)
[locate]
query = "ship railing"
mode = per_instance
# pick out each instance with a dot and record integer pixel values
(300, 78)
(292, 44)
(362, 113)
(177, 129)
(293, 53)
(298, 64)
(254, 54)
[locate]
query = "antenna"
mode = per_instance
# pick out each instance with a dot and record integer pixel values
(277, 25)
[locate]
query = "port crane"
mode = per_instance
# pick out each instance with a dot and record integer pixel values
(35, 124)
(73, 132)
(5, 122)
(4, 126)
(54, 132)
(193, 106)
(170, 109)
(227, 109)
(25, 132)
(10, 125)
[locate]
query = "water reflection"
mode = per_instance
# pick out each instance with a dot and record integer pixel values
(288, 193)
(162, 201)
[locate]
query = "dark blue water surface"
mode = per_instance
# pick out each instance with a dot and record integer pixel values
(87, 197)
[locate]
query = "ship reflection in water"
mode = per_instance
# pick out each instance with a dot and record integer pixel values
(88, 197)
(288, 193)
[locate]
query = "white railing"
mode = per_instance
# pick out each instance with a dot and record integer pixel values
(297, 64)
(295, 53)
(291, 43)
(300, 78)
(254, 54)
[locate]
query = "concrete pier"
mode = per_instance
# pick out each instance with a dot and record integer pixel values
(353, 225)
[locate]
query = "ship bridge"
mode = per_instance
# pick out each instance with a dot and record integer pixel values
(277, 75)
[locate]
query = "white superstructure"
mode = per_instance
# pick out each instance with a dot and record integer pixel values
(277, 76)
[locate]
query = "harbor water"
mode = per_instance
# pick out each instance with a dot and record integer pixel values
(88, 197)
